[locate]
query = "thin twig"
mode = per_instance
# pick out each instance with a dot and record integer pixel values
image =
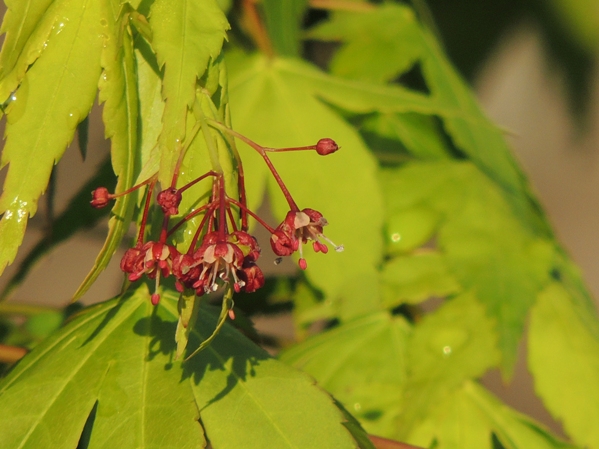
(342, 5)
(384, 443)
(256, 27)
(11, 354)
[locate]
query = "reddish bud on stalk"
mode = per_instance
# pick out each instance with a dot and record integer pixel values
(169, 200)
(100, 198)
(326, 146)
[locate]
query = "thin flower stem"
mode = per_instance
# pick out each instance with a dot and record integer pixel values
(240, 174)
(164, 230)
(231, 219)
(281, 150)
(144, 219)
(195, 181)
(218, 125)
(222, 210)
(241, 189)
(282, 186)
(260, 149)
(189, 217)
(256, 217)
(134, 188)
(198, 232)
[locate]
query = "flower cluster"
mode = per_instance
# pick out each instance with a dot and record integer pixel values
(222, 252)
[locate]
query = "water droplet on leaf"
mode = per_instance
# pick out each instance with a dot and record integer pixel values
(17, 102)
(73, 119)
(445, 342)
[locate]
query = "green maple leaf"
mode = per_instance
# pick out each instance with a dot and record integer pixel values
(53, 96)
(115, 361)
(186, 35)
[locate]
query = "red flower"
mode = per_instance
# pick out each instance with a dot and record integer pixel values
(218, 259)
(153, 259)
(297, 228)
(251, 275)
(186, 271)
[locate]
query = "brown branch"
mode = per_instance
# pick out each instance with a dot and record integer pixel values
(384, 443)
(11, 354)
(256, 28)
(342, 5)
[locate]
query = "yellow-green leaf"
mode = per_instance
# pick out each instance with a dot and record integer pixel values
(27, 24)
(564, 360)
(471, 416)
(55, 95)
(118, 91)
(412, 279)
(186, 35)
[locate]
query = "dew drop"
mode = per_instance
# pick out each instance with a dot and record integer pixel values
(395, 237)
(103, 22)
(445, 342)
(73, 119)
(17, 102)
(278, 260)
(59, 27)
(357, 406)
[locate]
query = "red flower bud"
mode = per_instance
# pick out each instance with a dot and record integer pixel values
(326, 146)
(169, 200)
(100, 198)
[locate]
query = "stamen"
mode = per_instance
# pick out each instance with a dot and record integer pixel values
(338, 248)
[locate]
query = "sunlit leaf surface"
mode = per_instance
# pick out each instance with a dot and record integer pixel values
(564, 351)
(55, 94)
(471, 418)
(119, 357)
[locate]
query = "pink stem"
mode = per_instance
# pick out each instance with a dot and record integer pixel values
(134, 188)
(189, 184)
(242, 197)
(231, 219)
(196, 236)
(222, 210)
(189, 217)
(283, 187)
(256, 217)
(142, 228)
(281, 150)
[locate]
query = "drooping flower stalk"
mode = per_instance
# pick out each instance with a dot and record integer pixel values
(221, 252)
